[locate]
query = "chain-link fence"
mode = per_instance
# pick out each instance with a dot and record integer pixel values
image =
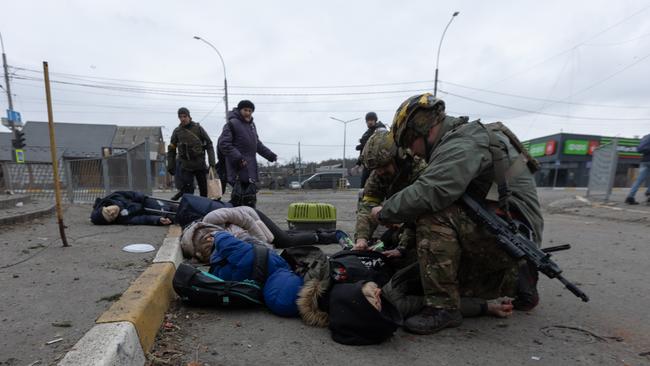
(82, 180)
(35, 179)
(603, 171)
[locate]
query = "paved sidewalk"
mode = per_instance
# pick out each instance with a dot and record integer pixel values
(50, 292)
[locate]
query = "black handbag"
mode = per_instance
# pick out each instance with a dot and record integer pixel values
(243, 194)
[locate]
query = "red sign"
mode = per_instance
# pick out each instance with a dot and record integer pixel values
(593, 145)
(550, 147)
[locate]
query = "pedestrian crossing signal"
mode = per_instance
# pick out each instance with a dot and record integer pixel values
(20, 156)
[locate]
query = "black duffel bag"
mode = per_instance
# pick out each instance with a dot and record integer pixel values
(350, 266)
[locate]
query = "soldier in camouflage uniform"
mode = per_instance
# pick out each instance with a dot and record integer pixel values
(192, 142)
(391, 170)
(458, 257)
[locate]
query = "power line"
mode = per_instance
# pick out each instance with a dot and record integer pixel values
(543, 113)
(542, 99)
(173, 92)
(176, 99)
(575, 46)
(609, 76)
(90, 78)
(608, 44)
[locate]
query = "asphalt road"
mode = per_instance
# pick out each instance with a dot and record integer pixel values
(609, 261)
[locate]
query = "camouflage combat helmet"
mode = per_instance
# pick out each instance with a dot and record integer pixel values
(405, 126)
(380, 150)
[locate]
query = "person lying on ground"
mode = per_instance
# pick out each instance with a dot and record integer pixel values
(131, 208)
(362, 313)
(197, 239)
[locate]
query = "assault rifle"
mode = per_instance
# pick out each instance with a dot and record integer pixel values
(518, 246)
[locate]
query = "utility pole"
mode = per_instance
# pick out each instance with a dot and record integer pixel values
(18, 137)
(6, 69)
(299, 164)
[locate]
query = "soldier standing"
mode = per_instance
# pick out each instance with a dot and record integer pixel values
(191, 142)
(462, 157)
(373, 124)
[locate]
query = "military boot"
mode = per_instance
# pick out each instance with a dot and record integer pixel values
(431, 320)
(326, 236)
(527, 296)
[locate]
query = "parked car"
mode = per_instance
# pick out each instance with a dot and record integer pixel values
(294, 185)
(323, 180)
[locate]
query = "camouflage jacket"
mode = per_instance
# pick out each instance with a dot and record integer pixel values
(192, 142)
(377, 189)
(460, 161)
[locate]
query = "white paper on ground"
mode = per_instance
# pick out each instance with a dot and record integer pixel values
(139, 248)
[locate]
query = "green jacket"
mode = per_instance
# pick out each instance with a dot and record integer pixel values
(461, 161)
(191, 142)
(377, 189)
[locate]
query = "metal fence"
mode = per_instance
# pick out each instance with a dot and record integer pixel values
(603, 171)
(82, 180)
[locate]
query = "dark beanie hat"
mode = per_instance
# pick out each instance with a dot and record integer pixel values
(96, 216)
(246, 104)
(183, 110)
(371, 116)
(354, 321)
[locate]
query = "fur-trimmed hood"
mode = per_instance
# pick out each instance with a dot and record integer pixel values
(313, 293)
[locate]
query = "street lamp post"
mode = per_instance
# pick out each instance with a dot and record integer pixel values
(225, 80)
(435, 84)
(345, 125)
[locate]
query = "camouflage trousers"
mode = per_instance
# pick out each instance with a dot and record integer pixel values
(458, 258)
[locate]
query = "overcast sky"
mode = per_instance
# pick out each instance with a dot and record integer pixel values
(541, 66)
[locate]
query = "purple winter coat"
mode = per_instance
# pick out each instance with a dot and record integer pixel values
(239, 141)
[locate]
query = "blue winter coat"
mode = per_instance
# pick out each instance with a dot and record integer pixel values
(239, 141)
(232, 259)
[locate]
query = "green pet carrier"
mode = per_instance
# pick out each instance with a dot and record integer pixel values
(311, 216)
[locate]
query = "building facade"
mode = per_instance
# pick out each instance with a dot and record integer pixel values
(566, 159)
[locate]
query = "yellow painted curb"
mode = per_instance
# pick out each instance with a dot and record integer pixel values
(144, 303)
(174, 231)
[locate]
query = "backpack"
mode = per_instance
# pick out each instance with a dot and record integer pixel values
(204, 289)
(308, 262)
(349, 266)
(644, 145)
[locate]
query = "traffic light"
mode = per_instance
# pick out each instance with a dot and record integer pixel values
(19, 141)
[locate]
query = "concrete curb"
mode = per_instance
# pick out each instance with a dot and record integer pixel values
(27, 216)
(126, 331)
(11, 201)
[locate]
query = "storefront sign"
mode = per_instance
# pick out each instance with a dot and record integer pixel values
(551, 145)
(576, 147)
(537, 149)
